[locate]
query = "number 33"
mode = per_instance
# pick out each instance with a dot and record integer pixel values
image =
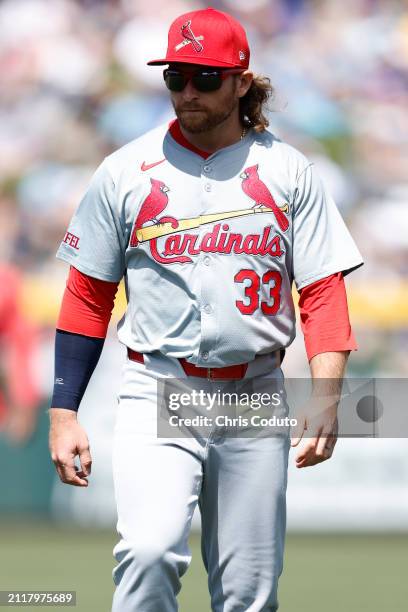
(252, 291)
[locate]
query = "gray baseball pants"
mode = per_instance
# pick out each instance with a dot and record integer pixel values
(238, 482)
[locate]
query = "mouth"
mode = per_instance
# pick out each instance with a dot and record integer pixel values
(192, 110)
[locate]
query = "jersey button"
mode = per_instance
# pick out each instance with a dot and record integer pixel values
(207, 169)
(206, 261)
(207, 187)
(207, 309)
(205, 355)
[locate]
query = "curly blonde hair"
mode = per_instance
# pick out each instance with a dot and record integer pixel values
(252, 105)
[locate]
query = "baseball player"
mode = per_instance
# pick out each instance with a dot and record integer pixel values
(209, 220)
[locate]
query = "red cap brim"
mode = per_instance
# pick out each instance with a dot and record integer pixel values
(193, 59)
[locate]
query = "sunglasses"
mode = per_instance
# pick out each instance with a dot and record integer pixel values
(204, 79)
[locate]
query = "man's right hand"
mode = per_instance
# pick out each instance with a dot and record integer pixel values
(67, 439)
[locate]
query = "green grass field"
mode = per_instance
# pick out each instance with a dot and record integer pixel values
(323, 573)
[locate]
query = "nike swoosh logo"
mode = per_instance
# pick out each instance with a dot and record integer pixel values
(145, 166)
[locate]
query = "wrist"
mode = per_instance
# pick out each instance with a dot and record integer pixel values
(62, 414)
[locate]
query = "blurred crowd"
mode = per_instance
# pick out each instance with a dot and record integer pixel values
(74, 86)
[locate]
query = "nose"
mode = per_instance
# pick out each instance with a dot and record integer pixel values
(190, 92)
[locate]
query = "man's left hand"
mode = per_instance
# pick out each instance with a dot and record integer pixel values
(321, 426)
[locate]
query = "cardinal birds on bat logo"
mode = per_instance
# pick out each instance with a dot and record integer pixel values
(258, 191)
(152, 207)
(157, 200)
(190, 38)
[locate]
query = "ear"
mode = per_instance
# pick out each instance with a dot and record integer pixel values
(244, 82)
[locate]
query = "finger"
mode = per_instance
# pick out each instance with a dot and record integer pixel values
(322, 445)
(314, 433)
(307, 449)
(331, 442)
(327, 453)
(296, 433)
(329, 448)
(68, 474)
(312, 458)
(329, 432)
(309, 461)
(80, 473)
(78, 480)
(86, 461)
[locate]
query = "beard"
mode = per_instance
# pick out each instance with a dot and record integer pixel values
(197, 119)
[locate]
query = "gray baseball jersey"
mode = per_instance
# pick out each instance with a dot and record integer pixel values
(209, 248)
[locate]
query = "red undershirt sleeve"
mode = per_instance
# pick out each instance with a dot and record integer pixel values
(87, 305)
(324, 316)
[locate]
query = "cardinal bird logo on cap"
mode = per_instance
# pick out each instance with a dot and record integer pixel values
(190, 38)
(153, 205)
(258, 191)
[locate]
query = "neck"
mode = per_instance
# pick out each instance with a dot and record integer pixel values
(227, 133)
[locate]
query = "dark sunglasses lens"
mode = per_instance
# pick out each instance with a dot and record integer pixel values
(202, 80)
(175, 81)
(207, 81)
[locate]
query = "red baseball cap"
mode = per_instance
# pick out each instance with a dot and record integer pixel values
(207, 37)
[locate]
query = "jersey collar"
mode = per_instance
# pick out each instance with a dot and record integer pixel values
(177, 134)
